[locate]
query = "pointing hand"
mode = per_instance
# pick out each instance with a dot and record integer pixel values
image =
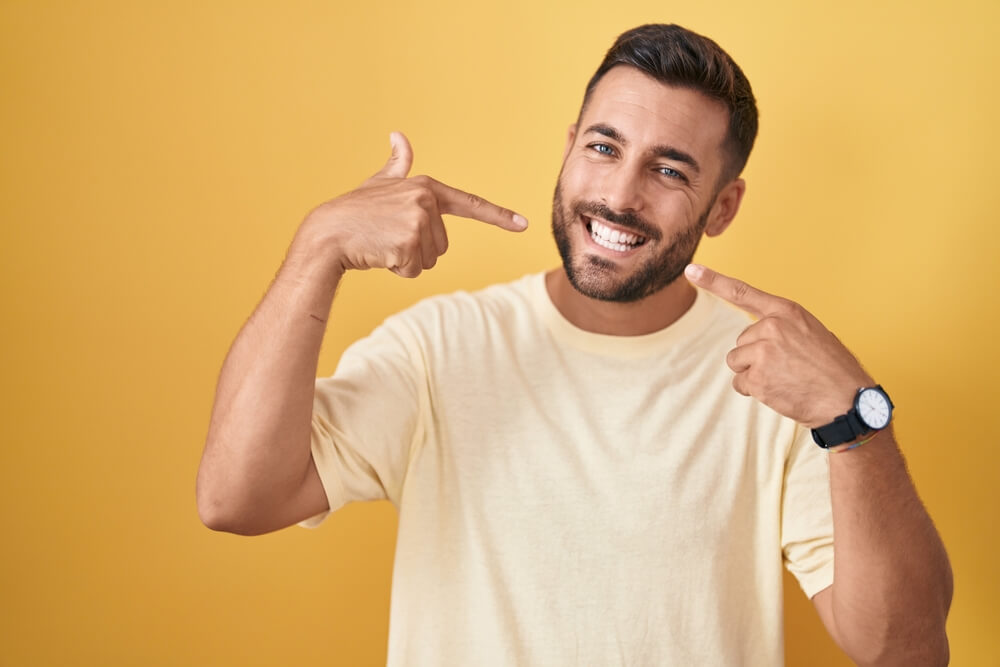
(393, 221)
(786, 359)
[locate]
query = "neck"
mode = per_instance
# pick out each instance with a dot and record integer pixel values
(647, 315)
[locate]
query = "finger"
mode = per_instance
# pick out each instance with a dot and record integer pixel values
(437, 229)
(410, 268)
(742, 357)
(740, 294)
(456, 202)
(767, 327)
(739, 358)
(399, 163)
(440, 236)
(741, 384)
(428, 248)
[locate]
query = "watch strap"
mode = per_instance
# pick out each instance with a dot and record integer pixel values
(844, 428)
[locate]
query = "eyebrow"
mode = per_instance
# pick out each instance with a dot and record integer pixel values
(660, 150)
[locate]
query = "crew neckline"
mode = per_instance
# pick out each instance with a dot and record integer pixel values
(684, 329)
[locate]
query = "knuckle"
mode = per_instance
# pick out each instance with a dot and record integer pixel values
(475, 201)
(421, 220)
(789, 307)
(408, 270)
(741, 290)
(746, 333)
(770, 325)
(422, 196)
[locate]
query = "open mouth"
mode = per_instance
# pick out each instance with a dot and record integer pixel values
(610, 238)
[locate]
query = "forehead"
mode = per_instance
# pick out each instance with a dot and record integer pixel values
(648, 112)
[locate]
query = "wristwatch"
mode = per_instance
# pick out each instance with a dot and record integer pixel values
(872, 411)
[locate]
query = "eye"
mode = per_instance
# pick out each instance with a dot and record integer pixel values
(672, 173)
(603, 149)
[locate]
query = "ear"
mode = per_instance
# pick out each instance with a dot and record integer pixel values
(727, 203)
(570, 138)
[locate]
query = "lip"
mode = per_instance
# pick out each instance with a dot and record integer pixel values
(607, 252)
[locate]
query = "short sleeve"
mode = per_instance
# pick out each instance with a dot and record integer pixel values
(366, 417)
(807, 515)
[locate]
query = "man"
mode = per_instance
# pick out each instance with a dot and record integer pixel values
(577, 480)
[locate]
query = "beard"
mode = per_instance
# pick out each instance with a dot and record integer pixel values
(600, 278)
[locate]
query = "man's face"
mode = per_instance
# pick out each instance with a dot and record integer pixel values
(637, 185)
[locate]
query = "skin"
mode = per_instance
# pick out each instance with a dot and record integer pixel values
(626, 175)
(893, 586)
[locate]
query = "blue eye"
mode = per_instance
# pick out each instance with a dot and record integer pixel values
(671, 173)
(603, 149)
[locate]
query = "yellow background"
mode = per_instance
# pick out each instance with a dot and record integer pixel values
(155, 160)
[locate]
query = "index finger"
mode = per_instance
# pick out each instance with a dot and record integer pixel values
(742, 295)
(457, 202)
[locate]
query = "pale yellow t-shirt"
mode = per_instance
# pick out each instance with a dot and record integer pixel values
(569, 498)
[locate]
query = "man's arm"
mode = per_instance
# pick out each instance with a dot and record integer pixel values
(257, 473)
(892, 581)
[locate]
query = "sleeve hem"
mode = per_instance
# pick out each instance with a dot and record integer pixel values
(329, 478)
(817, 581)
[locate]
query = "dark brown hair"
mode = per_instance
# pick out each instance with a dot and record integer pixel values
(679, 57)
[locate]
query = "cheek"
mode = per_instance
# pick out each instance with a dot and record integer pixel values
(675, 209)
(574, 181)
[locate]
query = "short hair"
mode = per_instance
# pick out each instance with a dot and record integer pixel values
(679, 57)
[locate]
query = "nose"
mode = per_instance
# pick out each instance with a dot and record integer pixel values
(621, 189)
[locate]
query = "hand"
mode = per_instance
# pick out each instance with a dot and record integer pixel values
(787, 359)
(394, 222)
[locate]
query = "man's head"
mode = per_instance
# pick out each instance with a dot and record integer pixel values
(678, 57)
(665, 129)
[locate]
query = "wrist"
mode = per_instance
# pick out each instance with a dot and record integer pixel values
(871, 412)
(841, 400)
(314, 256)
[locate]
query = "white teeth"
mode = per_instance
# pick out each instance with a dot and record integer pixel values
(612, 238)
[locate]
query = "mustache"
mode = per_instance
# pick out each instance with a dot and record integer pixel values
(627, 220)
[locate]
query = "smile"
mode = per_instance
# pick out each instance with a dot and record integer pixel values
(612, 239)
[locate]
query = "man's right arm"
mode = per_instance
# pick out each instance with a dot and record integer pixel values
(257, 473)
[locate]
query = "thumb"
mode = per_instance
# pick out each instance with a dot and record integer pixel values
(398, 165)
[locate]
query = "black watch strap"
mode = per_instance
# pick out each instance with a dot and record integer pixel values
(844, 428)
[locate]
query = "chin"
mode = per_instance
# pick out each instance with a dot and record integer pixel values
(601, 279)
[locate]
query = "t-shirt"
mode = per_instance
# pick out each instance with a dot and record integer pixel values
(571, 498)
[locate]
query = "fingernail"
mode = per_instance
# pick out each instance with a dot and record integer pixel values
(521, 221)
(694, 271)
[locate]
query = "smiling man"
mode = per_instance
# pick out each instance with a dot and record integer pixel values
(605, 464)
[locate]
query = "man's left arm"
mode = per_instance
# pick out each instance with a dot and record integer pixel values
(892, 581)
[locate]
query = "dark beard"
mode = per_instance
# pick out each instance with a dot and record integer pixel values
(598, 277)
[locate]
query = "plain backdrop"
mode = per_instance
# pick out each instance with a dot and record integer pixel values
(156, 159)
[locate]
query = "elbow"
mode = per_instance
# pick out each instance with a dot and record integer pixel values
(215, 517)
(220, 518)
(220, 512)
(932, 652)
(929, 648)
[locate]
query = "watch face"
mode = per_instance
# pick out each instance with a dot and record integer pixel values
(874, 408)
